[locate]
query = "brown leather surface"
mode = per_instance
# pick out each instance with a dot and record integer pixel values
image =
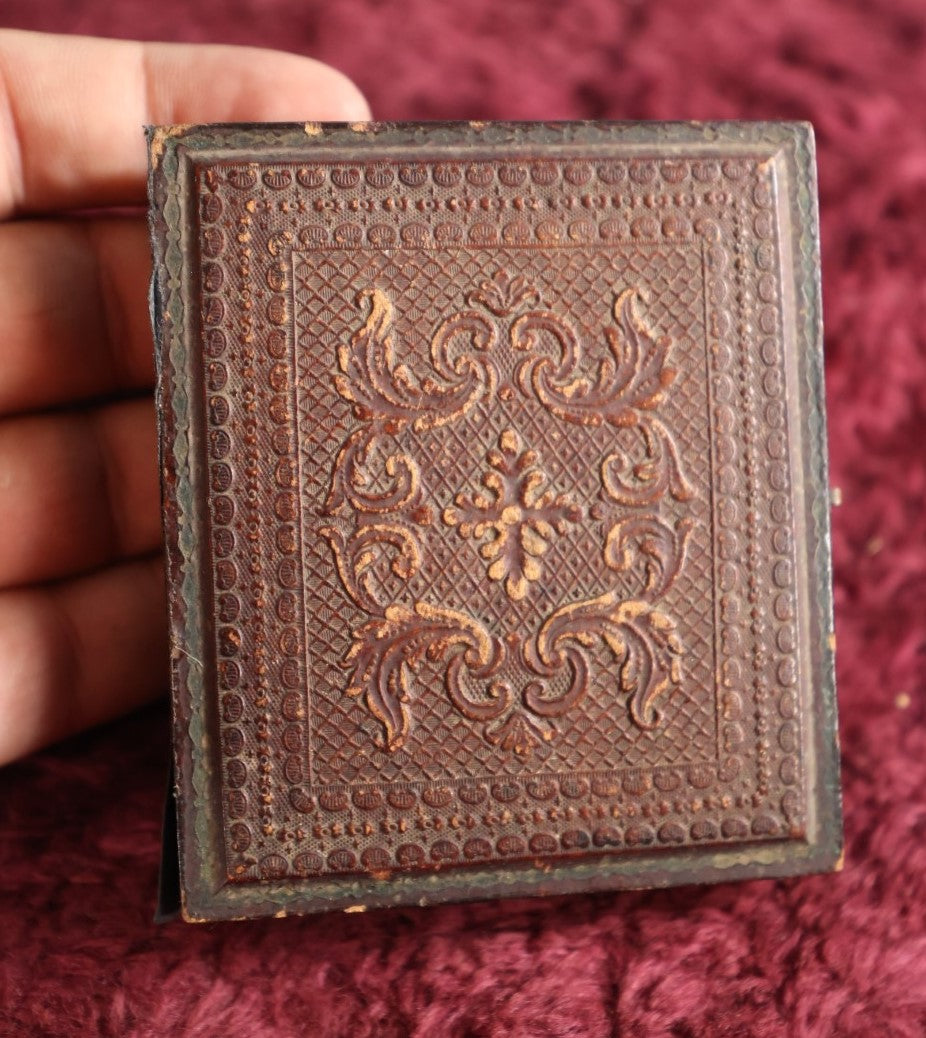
(501, 543)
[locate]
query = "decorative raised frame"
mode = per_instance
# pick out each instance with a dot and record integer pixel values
(253, 203)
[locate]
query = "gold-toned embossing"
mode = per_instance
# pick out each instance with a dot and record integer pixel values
(524, 516)
(518, 734)
(631, 379)
(514, 516)
(380, 385)
(636, 477)
(503, 295)
(641, 638)
(388, 651)
(372, 475)
(647, 537)
(374, 557)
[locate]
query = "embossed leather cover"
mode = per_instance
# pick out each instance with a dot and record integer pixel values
(496, 509)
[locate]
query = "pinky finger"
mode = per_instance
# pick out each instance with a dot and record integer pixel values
(80, 652)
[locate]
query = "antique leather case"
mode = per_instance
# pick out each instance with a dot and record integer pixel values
(496, 509)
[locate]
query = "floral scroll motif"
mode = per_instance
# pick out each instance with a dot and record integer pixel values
(380, 515)
(503, 295)
(629, 381)
(378, 556)
(650, 539)
(644, 476)
(382, 386)
(388, 651)
(641, 638)
(371, 474)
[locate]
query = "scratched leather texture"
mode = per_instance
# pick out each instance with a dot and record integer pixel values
(494, 509)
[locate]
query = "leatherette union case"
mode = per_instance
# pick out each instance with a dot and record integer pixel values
(496, 509)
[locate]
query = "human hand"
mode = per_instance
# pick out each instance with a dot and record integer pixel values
(83, 628)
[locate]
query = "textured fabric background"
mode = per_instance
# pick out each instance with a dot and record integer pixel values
(833, 955)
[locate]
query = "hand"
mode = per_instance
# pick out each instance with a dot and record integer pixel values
(82, 602)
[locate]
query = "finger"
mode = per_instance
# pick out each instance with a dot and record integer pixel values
(72, 108)
(73, 311)
(78, 490)
(80, 652)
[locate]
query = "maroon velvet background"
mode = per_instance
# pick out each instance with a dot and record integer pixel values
(833, 955)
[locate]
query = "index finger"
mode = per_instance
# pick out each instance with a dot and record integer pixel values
(72, 109)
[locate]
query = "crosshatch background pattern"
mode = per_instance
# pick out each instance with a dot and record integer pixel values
(577, 283)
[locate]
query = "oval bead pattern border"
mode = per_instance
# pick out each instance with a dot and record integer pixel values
(222, 476)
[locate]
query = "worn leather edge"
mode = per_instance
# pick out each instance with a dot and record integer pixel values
(809, 310)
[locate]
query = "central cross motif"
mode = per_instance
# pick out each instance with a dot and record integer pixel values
(523, 516)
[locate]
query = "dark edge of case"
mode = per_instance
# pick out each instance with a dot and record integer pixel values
(168, 903)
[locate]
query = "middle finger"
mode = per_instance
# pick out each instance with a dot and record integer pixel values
(74, 311)
(79, 490)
